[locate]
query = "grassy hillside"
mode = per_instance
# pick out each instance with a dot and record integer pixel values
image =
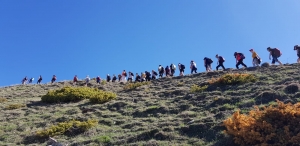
(164, 112)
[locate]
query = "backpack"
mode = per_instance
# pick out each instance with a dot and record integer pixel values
(125, 74)
(277, 52)
(132, 74)
(155, 73)
(209, 61)
(222, 59)
(242, 56)
(182, 66)
(173, 66)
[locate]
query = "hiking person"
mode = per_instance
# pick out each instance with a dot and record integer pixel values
(148, 76)
(161, 71)
(256, 59)
(297, 47)
(143, 77)
(87, 80)
(53, 79)
(167, 71)
(31, 80)
(39, 80)
(275, 53)
(221, 60)
(108, 78)
(172, 68)
(207, 63)
(239, 59)
(124, 75)
(75, 80)
(181, 68)
(154, 74)
(98, 80)
(193, 67)
(137, 77)
(130, 76)
(119, 77)
(24, 80)
(114, 78)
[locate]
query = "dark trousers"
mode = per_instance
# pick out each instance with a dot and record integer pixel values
(153, 77)
(194, 69)
(129, 79)
(161, 74)
(220, 65)
(172, 72)
(148, 78)
(240, 62)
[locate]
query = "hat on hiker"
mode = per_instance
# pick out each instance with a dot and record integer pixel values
(251, 50)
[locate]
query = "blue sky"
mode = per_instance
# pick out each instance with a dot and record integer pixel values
(98, 37)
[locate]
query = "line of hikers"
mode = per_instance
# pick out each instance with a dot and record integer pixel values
(169, 71)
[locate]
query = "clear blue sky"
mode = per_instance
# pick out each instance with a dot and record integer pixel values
(100, 37)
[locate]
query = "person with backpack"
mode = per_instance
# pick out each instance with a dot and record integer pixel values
(98, 80)
(181, 68)
(119, 77)
(53, 79)
(275, 53)
(108, 78)
(193, 67)
(75, 79)
(31, 80)
(148, 76)
(220, 63)
(154, 74)
(39, 80)
(256, 59)
(137, 78)
(172, 68)
(115, 78)
(297, 47)
(207, 63)
(124, 75)
(167, 71)
(239, 59)
(130, 76)
(87, 80)
(24, 80)
(143, 77)
(161, 71)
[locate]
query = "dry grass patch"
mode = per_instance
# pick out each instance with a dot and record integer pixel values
(233, 79)
(2, 99)
(14, 106)
(198, 89)
(132, 86)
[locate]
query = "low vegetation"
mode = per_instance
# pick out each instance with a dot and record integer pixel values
(233, 79)
(75, 94)
(14, 106)
(198, 89)
(273, 125)
(2, 99)
(131, 86)
(71, 128)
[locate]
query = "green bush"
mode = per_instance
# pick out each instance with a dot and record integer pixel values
(72, 127)
(233, 79)
(196, 88)
(132, 86)
(103, 139)
(74, 94)
(14, 106)
(103, 82)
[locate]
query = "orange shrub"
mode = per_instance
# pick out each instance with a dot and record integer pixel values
(273, 125)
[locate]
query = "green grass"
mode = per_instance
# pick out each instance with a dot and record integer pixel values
(150, 114)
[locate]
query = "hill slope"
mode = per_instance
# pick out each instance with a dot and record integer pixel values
(164, 112)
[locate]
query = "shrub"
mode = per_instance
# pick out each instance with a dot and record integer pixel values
(132, 86)
(292, 88)
(273, 125)
(2, 99)
(233, 79)
(73, 94)
(103, 82)
(14, 106)
(103, 139)
(71, 127)
(102, 97)
(196, 88)
(266, 64)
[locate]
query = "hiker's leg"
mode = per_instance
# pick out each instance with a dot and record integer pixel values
(237, 65)
(243, 64)
(273, 61)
